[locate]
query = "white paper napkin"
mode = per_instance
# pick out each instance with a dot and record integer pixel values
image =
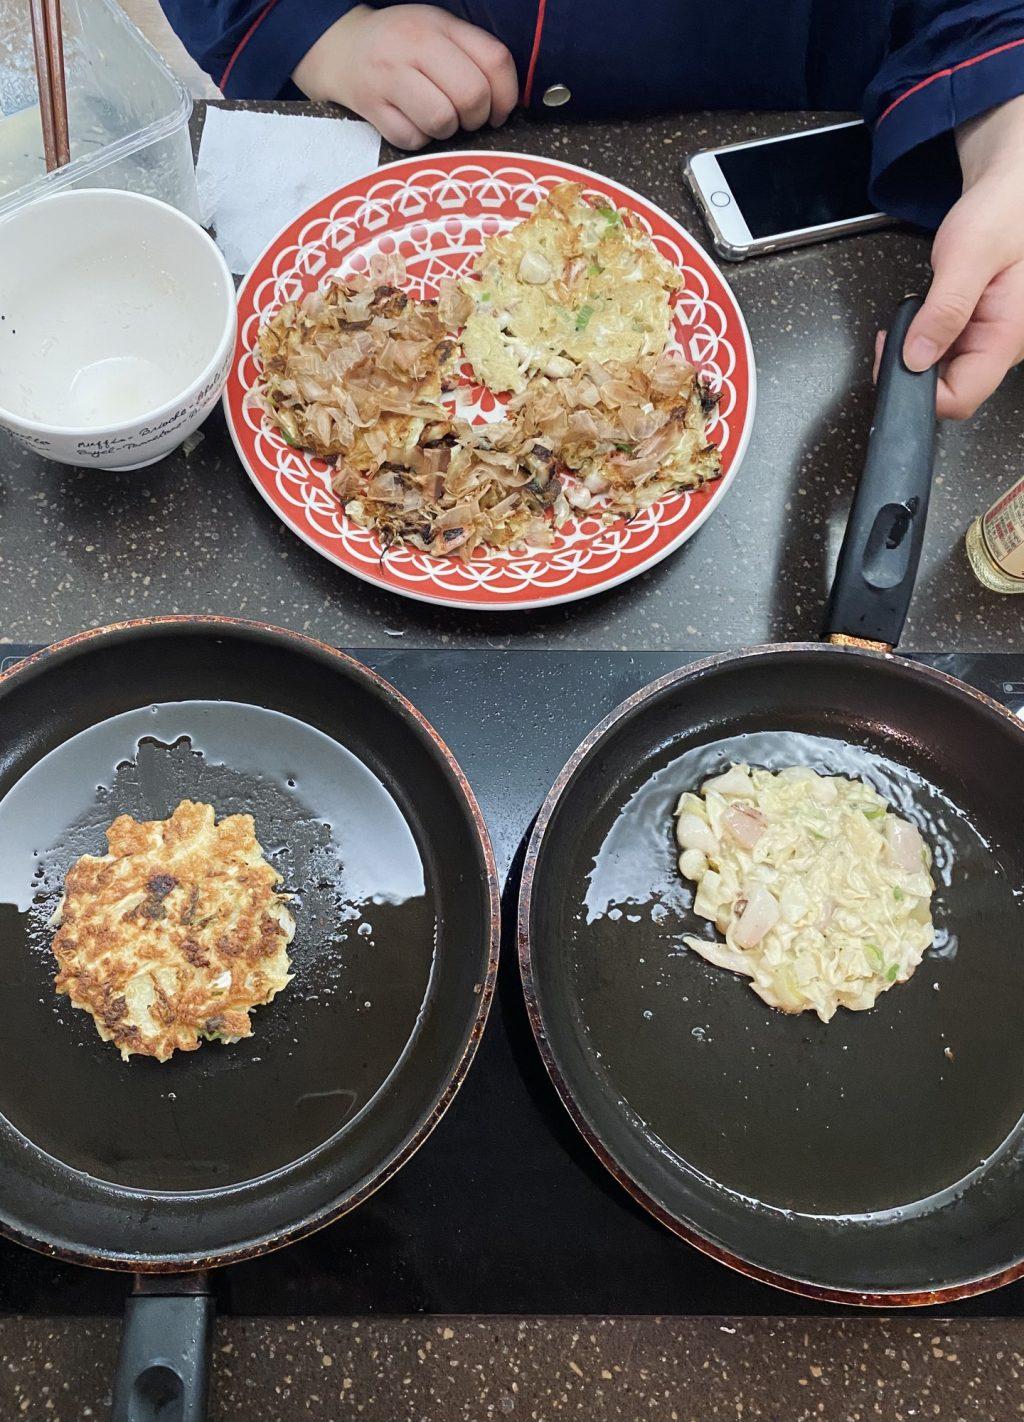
(258, 172)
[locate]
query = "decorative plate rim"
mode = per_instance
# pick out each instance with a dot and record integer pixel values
(526, 604)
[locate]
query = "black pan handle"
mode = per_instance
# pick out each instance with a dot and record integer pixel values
(163, 1368)
(881, 549)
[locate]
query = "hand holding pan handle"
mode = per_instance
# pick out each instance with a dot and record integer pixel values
(163, 1368)
(881, 549)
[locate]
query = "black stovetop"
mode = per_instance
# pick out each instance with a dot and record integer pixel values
(505, 1209)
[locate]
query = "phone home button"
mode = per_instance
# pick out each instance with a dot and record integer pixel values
(721, 199)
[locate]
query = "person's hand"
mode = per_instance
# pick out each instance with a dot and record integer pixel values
(972, 320)
(414, 71)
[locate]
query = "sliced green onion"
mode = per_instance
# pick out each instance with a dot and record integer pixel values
(282, 428)
(625, 448)
(583, 316)
(897, 892)
(874, 814)
(893, 969)
(874, 956)
(594, 269)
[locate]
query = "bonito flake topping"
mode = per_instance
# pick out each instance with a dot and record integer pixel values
(606, 421)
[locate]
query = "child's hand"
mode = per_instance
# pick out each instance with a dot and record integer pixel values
(416, 72)
(972, 321)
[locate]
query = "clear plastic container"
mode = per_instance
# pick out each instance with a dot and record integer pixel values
(127, 113)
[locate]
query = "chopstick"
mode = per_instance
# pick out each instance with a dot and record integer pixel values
(55, 44)
(42, 50)
(48, 41)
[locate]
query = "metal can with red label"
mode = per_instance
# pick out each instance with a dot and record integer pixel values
(995, 543)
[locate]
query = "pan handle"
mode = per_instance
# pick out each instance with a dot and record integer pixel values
(163, 1368)
(881, 549)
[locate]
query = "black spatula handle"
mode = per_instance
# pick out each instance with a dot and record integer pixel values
(163, 1369)
(878, 561)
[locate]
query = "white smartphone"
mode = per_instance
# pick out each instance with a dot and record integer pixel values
(772, 193)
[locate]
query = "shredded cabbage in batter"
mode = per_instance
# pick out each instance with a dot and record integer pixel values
(822, 893)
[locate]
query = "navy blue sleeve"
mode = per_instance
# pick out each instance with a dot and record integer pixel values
(946, 63)
(250, 47)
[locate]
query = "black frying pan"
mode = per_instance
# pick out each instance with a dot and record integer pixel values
(224, 1153)
(879, 1159)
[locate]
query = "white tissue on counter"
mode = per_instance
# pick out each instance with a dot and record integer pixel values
(257, 172)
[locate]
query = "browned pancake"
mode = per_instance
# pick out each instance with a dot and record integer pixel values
(174, 934)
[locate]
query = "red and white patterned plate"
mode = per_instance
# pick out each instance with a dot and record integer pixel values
(436, 211)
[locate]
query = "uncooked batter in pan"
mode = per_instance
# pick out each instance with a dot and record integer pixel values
(822, 893)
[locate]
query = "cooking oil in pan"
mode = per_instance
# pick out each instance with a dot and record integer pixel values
(875, 1110)
(362, 955)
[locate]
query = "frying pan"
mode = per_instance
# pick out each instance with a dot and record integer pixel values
(875, 1160)
(223, 1153)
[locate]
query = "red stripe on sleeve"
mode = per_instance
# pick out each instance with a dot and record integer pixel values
(538, 31)
(244, 41)
(944, 73)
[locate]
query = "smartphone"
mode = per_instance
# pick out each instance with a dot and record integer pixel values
(772, 193)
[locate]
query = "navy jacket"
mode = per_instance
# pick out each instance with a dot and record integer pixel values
(915, 68)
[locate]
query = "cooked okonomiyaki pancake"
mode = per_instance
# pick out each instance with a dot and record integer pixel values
(632, 433)
(356, 371)
(175, 934)
(576, 281)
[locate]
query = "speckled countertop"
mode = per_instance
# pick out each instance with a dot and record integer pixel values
(81, 548)
(540, 1370)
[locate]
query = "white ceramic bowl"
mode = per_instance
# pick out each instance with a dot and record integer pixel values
(117, 325)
